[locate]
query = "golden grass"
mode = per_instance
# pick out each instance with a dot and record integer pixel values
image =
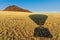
(18, 26)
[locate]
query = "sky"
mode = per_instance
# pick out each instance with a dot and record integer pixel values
(33, 5)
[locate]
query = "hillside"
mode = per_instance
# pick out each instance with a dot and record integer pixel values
(19, 26)
(15, 8)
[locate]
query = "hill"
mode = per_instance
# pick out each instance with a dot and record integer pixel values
(15, 8)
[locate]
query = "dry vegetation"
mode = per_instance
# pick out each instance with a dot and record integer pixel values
(18, 26)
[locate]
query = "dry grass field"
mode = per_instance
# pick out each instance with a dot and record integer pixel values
(18, 26)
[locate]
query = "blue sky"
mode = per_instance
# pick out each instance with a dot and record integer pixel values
(33, 5)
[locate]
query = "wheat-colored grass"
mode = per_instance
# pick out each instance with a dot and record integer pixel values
(18, 26)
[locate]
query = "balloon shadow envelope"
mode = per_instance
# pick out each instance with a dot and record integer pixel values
(38, 19)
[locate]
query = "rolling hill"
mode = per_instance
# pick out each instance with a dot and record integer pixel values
(16, 8)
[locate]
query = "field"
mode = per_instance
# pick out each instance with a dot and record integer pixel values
(19, 26)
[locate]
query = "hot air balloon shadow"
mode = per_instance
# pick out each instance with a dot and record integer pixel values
(40, 31)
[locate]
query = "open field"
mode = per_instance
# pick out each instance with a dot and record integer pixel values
(18, 26)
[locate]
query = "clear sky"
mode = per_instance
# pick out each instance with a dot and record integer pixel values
(33, 5)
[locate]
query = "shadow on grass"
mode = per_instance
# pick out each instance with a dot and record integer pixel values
(38, 19)
(40, 31)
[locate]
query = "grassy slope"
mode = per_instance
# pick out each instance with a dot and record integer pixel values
(53, 23)
(17, 25)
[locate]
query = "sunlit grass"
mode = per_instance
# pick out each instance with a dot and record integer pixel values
(18, 26)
